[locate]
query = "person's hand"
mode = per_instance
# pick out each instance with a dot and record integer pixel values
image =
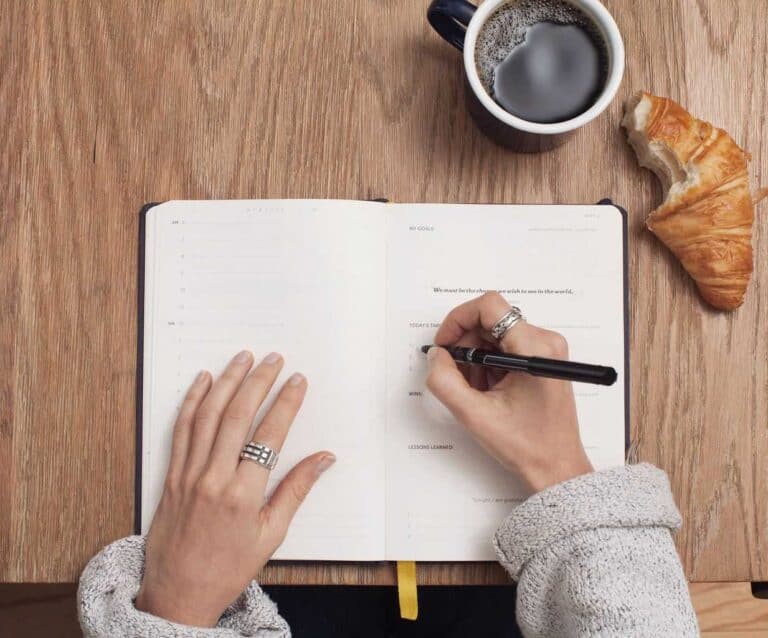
(213, 530)
(528, 423)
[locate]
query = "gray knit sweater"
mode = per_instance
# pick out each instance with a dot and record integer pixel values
(592, 557)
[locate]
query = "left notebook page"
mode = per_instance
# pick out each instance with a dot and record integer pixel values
(299, 277)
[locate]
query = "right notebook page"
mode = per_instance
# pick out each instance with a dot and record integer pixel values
(564, 267)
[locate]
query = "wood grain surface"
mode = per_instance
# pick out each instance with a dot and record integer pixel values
(108, 105)
(729, 609)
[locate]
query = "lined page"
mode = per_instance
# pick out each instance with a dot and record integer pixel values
(563, 265)
(303, 278)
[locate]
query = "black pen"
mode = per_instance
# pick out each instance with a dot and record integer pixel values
(538, 366)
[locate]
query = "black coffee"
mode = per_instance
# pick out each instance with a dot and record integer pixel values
(541, 60)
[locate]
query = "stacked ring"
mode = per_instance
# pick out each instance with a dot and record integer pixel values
(259, 453)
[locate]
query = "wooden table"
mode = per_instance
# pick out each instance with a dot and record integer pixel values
(105, 106)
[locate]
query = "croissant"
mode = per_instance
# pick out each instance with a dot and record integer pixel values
(707, 214)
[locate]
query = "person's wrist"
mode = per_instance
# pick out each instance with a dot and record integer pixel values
(182, 611)
(555, 470)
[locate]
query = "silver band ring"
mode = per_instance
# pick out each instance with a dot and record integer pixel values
(510, 318)
(259, 453)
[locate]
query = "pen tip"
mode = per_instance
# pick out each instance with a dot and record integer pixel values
(425, 349)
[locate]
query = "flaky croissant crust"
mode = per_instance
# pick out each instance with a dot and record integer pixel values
(707, 216)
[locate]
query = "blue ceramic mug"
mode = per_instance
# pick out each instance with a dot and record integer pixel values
(460, 22)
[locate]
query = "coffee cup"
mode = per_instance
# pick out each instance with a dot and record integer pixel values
(524, 122)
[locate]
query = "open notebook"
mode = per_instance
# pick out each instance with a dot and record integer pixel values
(347, 291)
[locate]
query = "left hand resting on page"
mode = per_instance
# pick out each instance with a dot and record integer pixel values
(213, 530)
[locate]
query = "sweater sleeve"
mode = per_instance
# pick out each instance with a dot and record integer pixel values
(110, 582)
(594, 556)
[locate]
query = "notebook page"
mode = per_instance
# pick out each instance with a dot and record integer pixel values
(563, 265)
(299, 278)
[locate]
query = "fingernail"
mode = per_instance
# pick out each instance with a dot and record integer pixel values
(272, 358)
(201, 376)
(243, 357)
(296, 378)
(325, 463)
(431, 354)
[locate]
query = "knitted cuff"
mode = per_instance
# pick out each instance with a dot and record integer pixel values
(625, 496)
(111, 580)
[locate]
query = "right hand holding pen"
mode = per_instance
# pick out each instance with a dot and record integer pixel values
(528, 423)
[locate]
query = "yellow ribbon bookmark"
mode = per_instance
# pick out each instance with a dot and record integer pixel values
(406, 589)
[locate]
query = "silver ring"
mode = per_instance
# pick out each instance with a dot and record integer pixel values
(259, 453)
(510, 318)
